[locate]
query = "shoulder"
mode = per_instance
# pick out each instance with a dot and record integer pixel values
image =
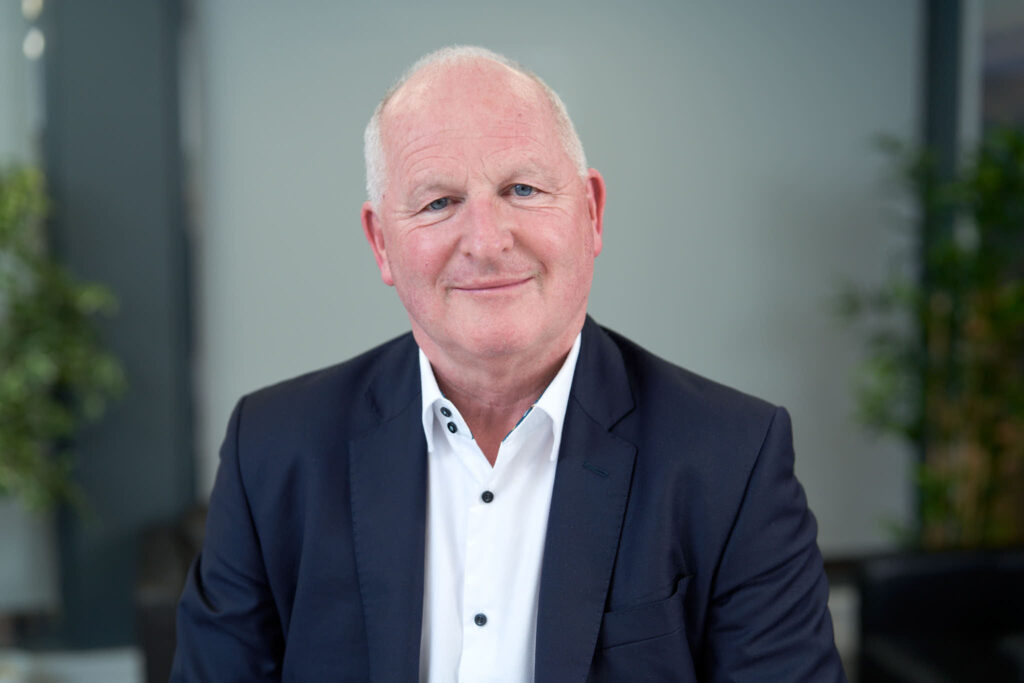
(347, 398)
(694, 436)
(685, 402)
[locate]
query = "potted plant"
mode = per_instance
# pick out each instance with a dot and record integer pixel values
(945, 339)
(54, 375)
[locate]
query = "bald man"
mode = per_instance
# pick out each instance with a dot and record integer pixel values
(510, 492)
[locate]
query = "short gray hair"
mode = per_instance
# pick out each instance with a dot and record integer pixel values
(373, 146)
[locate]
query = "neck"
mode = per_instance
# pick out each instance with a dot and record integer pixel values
(491, 396)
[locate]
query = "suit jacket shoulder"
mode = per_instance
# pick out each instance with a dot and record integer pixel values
(700, 404)
(350, 397)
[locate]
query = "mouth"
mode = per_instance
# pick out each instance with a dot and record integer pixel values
(496, 285)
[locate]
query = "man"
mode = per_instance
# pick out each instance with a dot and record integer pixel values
(511, 493)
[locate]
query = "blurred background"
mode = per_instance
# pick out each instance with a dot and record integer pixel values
(203, 162)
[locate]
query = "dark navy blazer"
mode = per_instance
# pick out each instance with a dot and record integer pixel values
(679, 543)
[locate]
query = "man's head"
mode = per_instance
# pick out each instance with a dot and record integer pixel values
(481, 211)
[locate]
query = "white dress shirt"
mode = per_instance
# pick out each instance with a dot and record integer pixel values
(485, 536)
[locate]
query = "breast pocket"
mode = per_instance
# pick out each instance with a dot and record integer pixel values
(644, 622)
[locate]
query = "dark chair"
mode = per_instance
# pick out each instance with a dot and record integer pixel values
(942, 616)
(166, 553)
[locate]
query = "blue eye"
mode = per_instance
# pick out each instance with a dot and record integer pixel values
(438, 204)
(522, 190)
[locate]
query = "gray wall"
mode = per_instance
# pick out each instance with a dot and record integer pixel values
(113, 160)
(743, 188)
(15, 86)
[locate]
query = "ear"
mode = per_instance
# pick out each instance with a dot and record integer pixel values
(595, 205)
(374, 232)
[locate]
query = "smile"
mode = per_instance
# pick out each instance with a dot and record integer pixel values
(496, 285)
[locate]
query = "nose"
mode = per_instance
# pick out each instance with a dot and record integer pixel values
(488, 230)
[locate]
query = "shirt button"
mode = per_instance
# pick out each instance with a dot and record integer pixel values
(480, 619)
(446, 412)
(452, 428)
(487, 496)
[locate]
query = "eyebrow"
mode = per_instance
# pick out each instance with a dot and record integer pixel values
(419, 193)
(530, 170)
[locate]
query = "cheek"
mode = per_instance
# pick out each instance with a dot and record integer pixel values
(583, 272)
(579, 259)
(418, 266)
(571, 248)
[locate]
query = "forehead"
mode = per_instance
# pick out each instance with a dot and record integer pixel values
(465, 105)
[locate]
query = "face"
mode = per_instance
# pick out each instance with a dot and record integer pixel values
(486, 229)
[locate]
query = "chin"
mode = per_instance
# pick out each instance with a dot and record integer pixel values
(494, 338)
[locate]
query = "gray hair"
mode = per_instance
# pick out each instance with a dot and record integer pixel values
(373, 146)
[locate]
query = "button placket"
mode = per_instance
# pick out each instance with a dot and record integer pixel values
(479, 637)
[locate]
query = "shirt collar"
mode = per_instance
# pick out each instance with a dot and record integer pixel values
(552, 402)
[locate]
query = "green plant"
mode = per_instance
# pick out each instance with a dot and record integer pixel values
(945, 340)
(54, 373)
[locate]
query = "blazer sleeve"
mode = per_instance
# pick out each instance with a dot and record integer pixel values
(228, 628)
(768, 619)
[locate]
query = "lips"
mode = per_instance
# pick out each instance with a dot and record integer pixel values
(492, 284)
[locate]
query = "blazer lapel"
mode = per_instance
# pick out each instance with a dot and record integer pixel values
(592, 483)
(387, 479)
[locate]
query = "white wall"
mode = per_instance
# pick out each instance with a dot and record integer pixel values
(743, 187)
